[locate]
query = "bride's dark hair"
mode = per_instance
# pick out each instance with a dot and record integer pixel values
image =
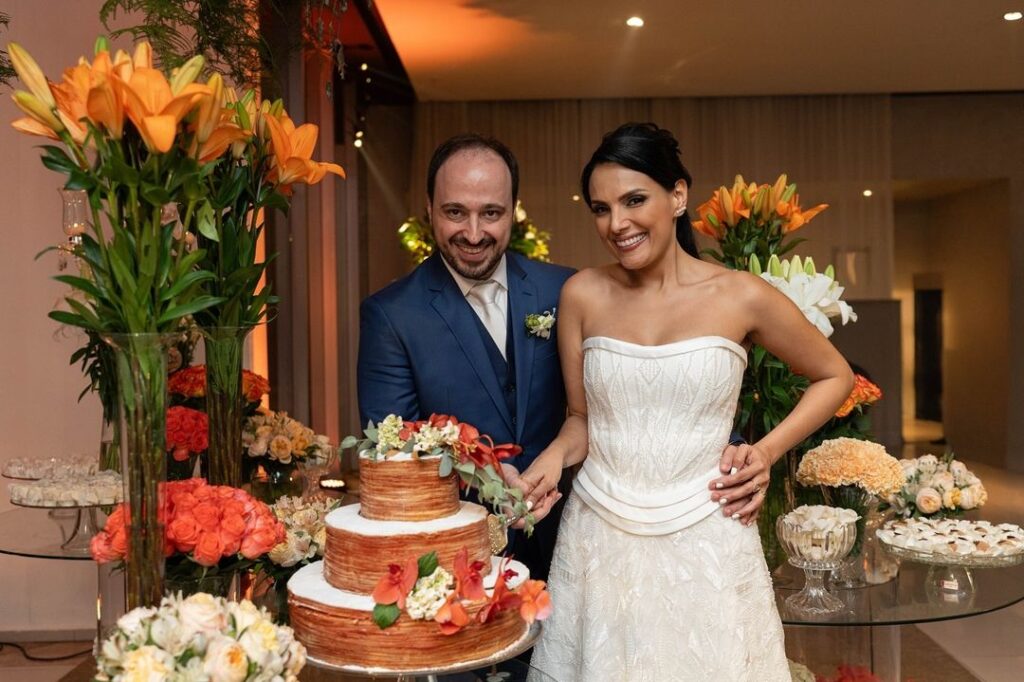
(653, 151)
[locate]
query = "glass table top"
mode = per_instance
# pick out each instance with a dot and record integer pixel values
(39, 533)
(906, 600)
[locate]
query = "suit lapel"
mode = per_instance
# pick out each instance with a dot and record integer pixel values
(453, 308)
(522, 299)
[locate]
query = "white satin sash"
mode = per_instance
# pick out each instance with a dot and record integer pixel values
(644, 513)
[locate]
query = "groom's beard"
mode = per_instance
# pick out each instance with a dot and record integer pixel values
(476, 270)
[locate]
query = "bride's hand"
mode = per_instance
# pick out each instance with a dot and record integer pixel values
(741, 492)
(541, 483)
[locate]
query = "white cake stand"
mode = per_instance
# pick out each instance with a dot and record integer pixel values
(431, 674)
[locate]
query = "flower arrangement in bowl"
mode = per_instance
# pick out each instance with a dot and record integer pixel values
(853, 474)
(937, 487)
(210, 533)
(277, 444)
(304, 542)
(200, 637)
(458, 448)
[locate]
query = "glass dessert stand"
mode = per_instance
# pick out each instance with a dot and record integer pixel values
(502, 666)
(818, 553)
(950, 577)
(867, 628)
(84, 524)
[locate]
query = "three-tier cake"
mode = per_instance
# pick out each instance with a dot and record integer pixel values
(407, 511)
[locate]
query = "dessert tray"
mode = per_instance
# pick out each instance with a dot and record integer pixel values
(101, 489)
(519, 646)
(954, 542)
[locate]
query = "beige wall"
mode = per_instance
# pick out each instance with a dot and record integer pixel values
(941, 237)
(39, 414)
(951, 137)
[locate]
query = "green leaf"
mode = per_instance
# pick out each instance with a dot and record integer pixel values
(348, 442)
(184, 283)
(64, 317)
(384, 615)
(427, 564)
(445, 469)
(56, 159)
(179, 311)
(80, 283)
(205, 222)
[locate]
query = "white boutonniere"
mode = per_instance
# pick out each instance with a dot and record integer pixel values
(540, 325)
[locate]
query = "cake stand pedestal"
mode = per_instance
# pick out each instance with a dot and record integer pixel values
(501, 666)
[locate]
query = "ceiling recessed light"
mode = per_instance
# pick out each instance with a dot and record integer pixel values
(358, 143)
(868, 192)
(635, 22)
(1013, 16)
(575, 197)
(364, 66)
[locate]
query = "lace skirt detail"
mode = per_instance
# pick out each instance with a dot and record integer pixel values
(696, 604)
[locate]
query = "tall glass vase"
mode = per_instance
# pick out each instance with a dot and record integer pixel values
(142, 403)
(225, 403)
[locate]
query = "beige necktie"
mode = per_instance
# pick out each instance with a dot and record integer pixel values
(485, 300)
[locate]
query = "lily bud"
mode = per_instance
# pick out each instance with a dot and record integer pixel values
(788, 194)
(143, 57)
(38, 110)
(754, 266)
(775, 266)
(187, 73)
(795, 265)
(830, 272)
(809, 266)
(101, 45)
(31, 75)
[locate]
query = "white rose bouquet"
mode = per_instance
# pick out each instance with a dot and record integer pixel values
(937, 487)
(200, 638)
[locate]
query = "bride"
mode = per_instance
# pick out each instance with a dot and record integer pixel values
(656, 576)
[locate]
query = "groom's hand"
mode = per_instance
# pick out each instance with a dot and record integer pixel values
(741, 490)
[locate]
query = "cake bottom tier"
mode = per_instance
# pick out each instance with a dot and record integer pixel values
(337, 627)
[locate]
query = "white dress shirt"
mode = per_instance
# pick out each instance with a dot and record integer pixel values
(488, 299)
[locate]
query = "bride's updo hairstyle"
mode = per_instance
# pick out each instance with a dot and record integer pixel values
(653, 151)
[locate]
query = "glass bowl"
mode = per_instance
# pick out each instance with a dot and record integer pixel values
(817, 552)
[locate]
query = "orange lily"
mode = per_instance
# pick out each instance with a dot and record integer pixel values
(452, 616)
(536, 601)
(292, 149)
(793, 217)
(214, 129)
(40, 120)
(470, 584)
(154, 109)
(502, 598)
(395, 585)
(30, 74)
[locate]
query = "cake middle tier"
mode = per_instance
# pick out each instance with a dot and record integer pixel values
(359, 550)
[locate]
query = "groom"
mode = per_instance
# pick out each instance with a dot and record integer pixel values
(451, 337)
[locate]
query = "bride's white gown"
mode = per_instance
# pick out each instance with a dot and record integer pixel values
(650, 581)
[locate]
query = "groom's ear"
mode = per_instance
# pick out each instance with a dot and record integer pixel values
(429, 206)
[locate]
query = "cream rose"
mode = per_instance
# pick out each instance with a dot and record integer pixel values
(147, 664)
(951, 498)
(129, 622)
(245, 614)
(928, 501)
(258, 448)
(943, 482)
(973, 497)
(927, 464)
(225, 661)
(296, 659)
(259, 641)
(959, 471)
(201, 614)
(281, 449)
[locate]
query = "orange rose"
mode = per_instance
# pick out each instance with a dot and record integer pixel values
(208, 550)
(184, 532)
(207, 516)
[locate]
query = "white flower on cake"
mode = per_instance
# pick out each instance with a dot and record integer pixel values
(388, 434)
(429, 594)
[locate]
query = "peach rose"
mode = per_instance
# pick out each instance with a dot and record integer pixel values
(184, 532)
(928, 501)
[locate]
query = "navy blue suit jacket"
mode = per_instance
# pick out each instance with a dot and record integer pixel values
(421, 351)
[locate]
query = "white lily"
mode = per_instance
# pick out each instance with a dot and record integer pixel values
(818, 295)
